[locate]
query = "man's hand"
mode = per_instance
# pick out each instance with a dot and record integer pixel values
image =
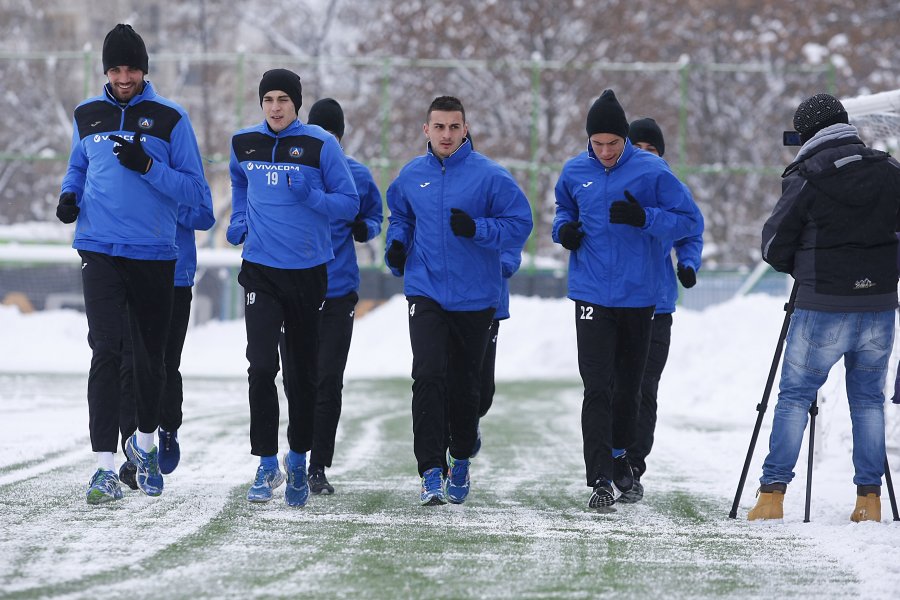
(237, 230)
(570, 235)
(461, 223)
(627, 213)
(396, 256)
(131, 155)
(686, 276)
(360, 230)
(67, 210)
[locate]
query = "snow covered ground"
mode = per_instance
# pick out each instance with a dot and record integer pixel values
(714, 379)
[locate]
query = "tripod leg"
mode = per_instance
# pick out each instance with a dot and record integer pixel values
(764, 403)
(890, 488)
(813, 411)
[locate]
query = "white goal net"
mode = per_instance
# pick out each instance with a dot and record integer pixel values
(877, 116)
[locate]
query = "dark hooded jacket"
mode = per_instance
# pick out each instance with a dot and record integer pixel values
(833, 227)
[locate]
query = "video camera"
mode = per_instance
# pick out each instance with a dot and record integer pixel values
(791, 138)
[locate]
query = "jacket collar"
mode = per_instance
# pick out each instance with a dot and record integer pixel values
(148, 93)
(627, 152)
(291, 129)
(458, 156)
(832, 136)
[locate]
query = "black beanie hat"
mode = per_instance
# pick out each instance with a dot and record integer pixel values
(816, 113)
(606, 116)
(327, 114)
(123, 46)
(284, 80)
(647, 131)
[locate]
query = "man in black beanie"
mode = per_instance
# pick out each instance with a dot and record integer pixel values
(289, 182)
(336, 325)
(123, 46)
(616, 208)
(816, 113)
(284, 80)
(135, 168)
(646, 135)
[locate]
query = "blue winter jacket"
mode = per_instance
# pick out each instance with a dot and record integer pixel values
(687, 252)
(343, 271)
(189, 221)
(620, 265)
(288, 228)
(510, 259)
(124, 213)
(460, 274)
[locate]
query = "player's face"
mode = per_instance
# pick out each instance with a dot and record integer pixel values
(608, 147)
(126, 82)
(648, 147)
(446, 131)
(279, 110)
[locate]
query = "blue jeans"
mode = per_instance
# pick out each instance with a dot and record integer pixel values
(815, 342)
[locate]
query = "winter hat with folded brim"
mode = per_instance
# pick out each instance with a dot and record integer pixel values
(607, 116)
(327, 114)
(816, 113)
(284, 80)
(123, 46)
(648, 132)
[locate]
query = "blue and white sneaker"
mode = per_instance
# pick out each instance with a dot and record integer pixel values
(297, 491)
(169, 451)
(266, 481)
(457, 484)
(104, 487)
(149, 479)
(433, 488)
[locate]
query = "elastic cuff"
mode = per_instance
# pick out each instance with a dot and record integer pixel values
(865, 490)
(773, 487)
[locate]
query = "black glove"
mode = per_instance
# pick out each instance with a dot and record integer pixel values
(686, 276)
(461, 223)
(67, 211)
(627, 213)
(131, 155)
(396, 256)
(570, 235)
(360, 230)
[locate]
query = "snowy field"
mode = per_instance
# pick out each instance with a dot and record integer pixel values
(525, 531)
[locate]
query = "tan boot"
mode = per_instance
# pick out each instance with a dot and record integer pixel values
(868, 504)
(769, 504)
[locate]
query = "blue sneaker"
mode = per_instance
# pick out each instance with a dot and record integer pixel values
(432, 488)
(297, 491)
(266, 481)
(149, 479)
(169, 451)
(104, 487)
(457, 484)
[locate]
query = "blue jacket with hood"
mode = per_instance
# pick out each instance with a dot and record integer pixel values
(124, 213)
(620, 265)
(343, 271)
(189, 221)
(460, 274)
(288, 186)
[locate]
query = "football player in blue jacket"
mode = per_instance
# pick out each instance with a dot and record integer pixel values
(288, 181)
(134, 165)
(617, 209)
(452, 212)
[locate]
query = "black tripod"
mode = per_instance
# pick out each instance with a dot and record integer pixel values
(813, 411)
